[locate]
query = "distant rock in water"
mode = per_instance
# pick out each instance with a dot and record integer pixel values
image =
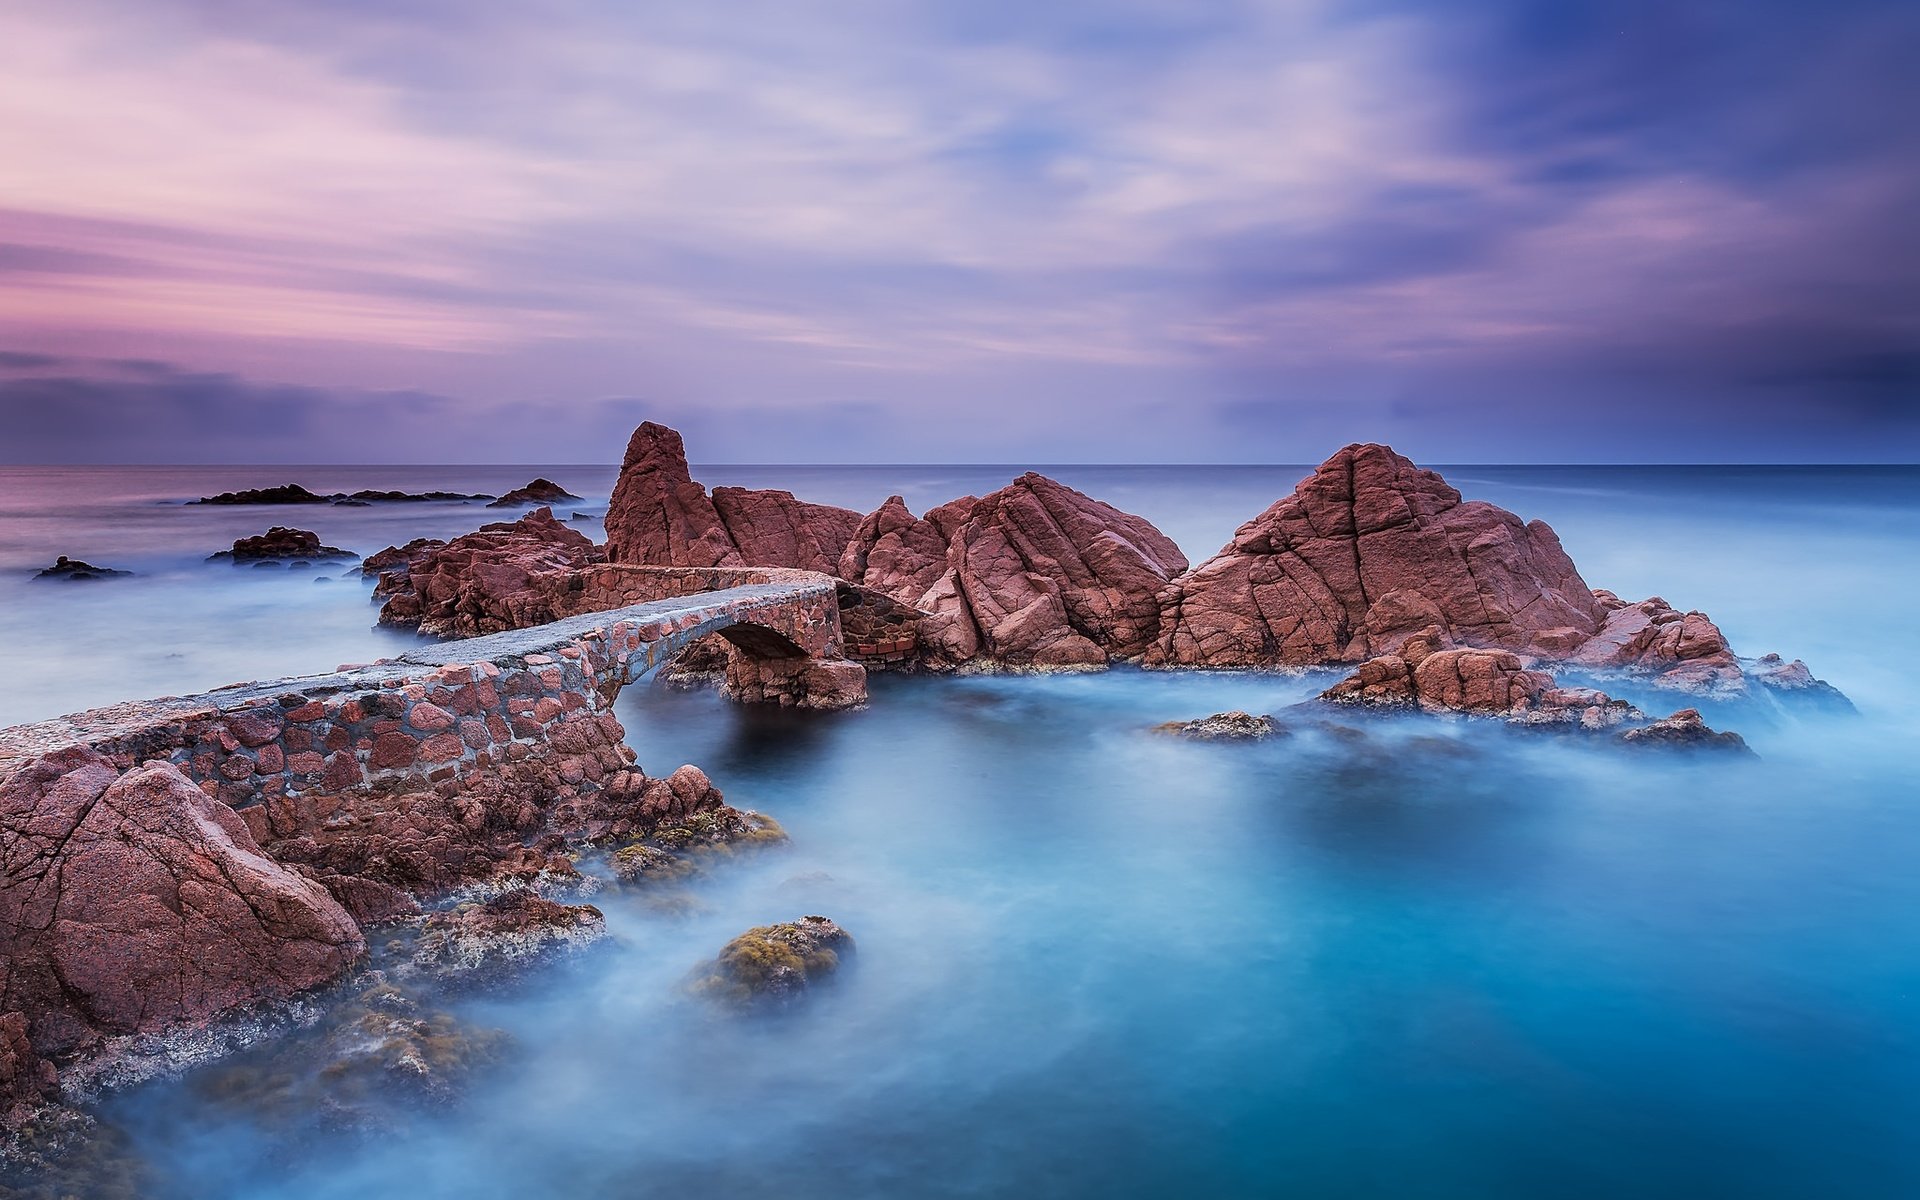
(72, 568)
(286, 493)
(281, 544)
(1235, 726)
(507, 575)
(540, 491)
(293, 493)
(773, 965)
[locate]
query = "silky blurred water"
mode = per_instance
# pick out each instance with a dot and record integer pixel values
(1441, 960)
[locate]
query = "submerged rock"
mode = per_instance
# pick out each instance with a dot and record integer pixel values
(1235, 726)
(773, 965)
(72, 568)
(540, 491)
(281, 544)
(509, 930)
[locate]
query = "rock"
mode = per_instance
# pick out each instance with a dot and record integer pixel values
(1682, 651)
(1427, 675)
(643, 864)
(280, 544)
(369, 496)
(580, 516)
(659, 516)
(1684, 730)
(1366, 550)
(1235, 726)
(27, 1081)
(1792, 681)
(1035, 575)
(134, 903)
(773, 965)
(286, 493)
(508, 575)
(72, 568)
(510, 930)
(395, 558)
(540, 491)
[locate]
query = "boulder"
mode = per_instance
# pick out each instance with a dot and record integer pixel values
(1682, 651)
(133, 903)
(281, 544)
(773, 965)
(1235, 726)
(771, 528)
(395, 558)
(1366, 550)
(1427, 674)
(510, 930)
(72, 568)
(508, 575)
(1684, 730)
(540, 491)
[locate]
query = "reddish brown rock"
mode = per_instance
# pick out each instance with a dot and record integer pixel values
(395, 558)
(26, 1080)
(1685, 730)
(134, 903)
(507, 575)
(1033, 575)
(1235, 726)
(1683, 651)
(1427, 674)
(510, 930)
(1366, 550)
(659, 516)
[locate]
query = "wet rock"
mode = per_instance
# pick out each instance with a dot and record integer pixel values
(643, 864)
(395, 558)
(509, 930)
(540, 491)
(1685, 730)
(281, 544)
(1235, 726)
(1367, 550)
(1681, 651)
(508, 575)
(1794, 683)
(135, 903)
(293, 493)
(72, 568)
(370, 496)
(773, 965)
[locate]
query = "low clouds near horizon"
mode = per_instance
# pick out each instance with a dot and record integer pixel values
(1136, 230)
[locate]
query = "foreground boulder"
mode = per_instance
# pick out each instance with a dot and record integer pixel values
(1367, 550)
(658, 516)
(773, 965)
(508, 575)
(72, 568)
(133, 903)
(281, 544)
(1035, 575)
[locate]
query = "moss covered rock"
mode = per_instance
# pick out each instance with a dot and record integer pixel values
(773, 965)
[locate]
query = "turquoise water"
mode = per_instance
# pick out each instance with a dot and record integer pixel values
(1436, 960)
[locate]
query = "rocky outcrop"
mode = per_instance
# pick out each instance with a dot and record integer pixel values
(540, 491)
(72, 568)
(773, 965)
(508, 575)
(1793, 681)
(1685, 730)
(1682, 651)
(395, 558)
(659, 516)
(1034, 575)
(133, 903)
(1235, 726)
(293, 493)
(1367, 550)
(508, 931)
(281, 544)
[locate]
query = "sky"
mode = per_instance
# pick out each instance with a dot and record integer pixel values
(1002, 231)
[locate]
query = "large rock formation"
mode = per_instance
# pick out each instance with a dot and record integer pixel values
(1367, 550)
(281, 544)
(659, 516)
(1033, 575)
(501, 576)
(133, 902)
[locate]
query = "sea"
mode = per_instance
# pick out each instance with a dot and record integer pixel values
(1435, 959)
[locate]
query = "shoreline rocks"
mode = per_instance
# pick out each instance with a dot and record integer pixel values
(507, 575)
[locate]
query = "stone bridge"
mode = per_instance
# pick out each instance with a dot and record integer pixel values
(445, 711)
